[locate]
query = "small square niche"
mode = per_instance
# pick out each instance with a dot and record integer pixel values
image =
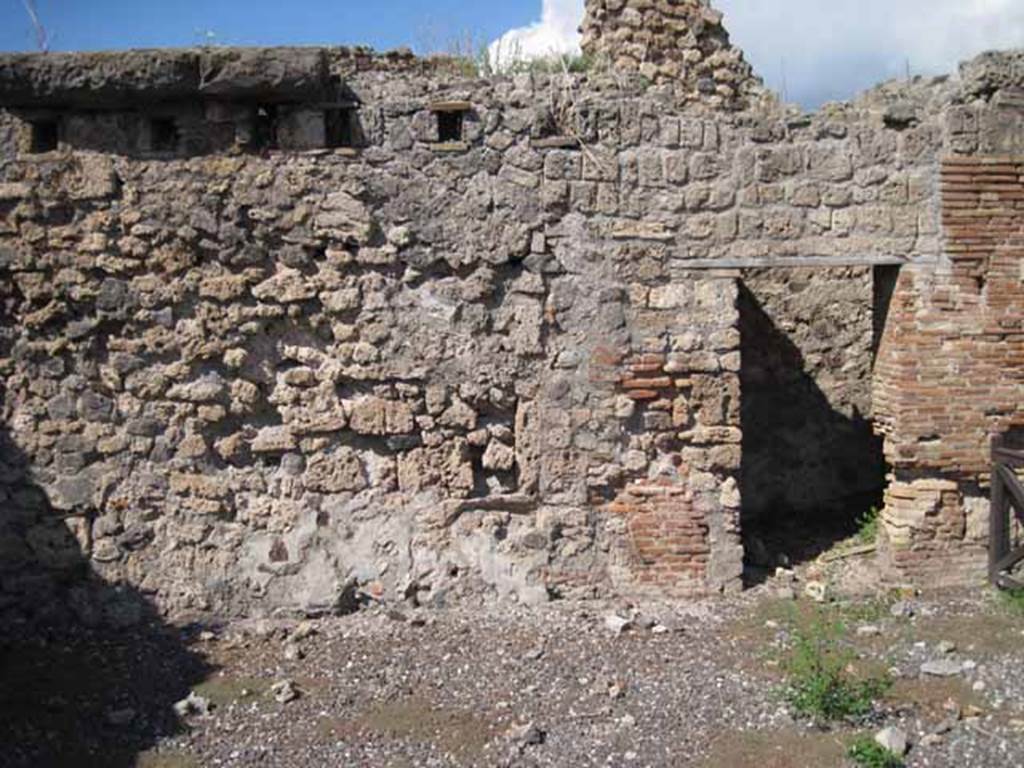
(44, 136)
(449, 127)
(451, 117)
(164, 135)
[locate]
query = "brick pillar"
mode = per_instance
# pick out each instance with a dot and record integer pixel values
(950, 374)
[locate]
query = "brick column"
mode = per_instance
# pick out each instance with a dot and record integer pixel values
(950, 373)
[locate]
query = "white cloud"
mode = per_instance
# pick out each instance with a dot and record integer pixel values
(556, 33)
(828, 49)
(833, 49)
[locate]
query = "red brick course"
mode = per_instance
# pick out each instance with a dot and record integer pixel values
(668, 536)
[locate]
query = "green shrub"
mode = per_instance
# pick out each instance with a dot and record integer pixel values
(555, 64)
(819, 684)
(867, 753)
(868, 526)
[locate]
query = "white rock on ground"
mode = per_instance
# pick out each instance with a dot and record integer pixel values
(892, 739)
(942, 668)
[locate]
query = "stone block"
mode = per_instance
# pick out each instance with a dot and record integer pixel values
(264, 75)
(369, 415)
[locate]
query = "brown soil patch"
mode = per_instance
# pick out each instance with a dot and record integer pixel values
(777, 749)
(222, 690)
(461, 734)
(994, 634)
(929, 696)
(165, 760)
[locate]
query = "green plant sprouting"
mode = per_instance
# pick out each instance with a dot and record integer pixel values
(867, 753)
(868, 526)
(819, 682)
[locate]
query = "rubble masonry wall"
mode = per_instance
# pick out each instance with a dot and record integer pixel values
(250, 377)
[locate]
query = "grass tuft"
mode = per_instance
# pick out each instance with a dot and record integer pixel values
(466, 55)
(1012, 600)
(868, 526)
(867, 753)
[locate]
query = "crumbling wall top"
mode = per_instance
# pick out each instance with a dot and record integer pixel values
(993, 71)
(113, 79)
(682, 42)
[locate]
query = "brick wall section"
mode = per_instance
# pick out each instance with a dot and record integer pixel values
(679, 407)
(950, 374)
(669, 536)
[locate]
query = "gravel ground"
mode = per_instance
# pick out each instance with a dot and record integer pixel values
(686, 684)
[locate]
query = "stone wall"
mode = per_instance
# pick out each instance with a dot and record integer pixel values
(286, 328)
(679, 398)
(250, 379)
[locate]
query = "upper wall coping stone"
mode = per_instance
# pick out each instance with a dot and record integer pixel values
(114, 79)
(97, 79)
(265, 74)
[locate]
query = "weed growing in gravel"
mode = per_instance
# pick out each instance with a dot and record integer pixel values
(867, 753)
(1013, 600)
(820, 684)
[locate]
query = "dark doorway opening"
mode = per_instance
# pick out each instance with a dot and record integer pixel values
(264, 135)
(812, 466)
(883, 289)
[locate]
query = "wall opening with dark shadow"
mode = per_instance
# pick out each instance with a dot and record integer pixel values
(811, 464)
(89, 671)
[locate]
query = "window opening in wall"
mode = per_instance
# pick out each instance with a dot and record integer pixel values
(451, 119)
(265, 128)
(164, 135)
(449, 126)
(341, 127)
(45, 136)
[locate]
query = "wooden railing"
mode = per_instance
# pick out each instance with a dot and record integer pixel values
(1007, 498)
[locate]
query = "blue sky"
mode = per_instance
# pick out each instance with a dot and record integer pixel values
(102, 24)
(813, 50)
